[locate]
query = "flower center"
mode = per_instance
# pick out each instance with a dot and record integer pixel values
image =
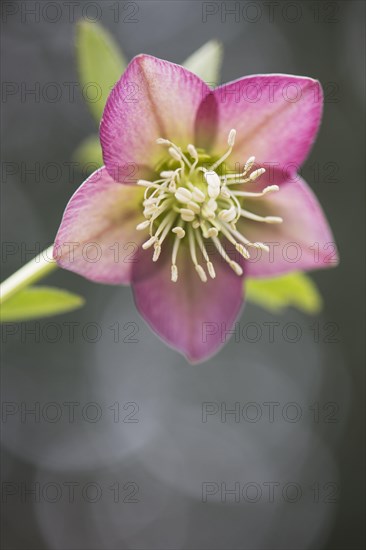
(196, 204)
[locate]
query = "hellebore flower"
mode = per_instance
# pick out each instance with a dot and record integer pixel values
(214, 197)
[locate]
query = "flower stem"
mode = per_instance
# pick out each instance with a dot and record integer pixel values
(33, 271)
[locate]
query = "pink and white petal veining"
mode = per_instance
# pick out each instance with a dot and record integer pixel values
(153, 99)
(97, 237)
(276, 118)
(189, 315)
(303, 241)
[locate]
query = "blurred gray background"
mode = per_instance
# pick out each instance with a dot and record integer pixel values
(128, 445)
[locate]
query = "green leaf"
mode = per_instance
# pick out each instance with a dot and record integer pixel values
(206, 62)
(38, 301)
(89, 154)
(275, 294)
(100, 61)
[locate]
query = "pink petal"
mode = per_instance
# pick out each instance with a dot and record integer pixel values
(206, 122)
(153, 98)
(276, 117)
(97, 237)
(189, 315)
(303, 241)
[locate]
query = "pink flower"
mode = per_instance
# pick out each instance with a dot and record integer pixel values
(182, 186)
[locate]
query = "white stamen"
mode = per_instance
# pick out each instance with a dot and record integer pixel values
(231, 138)
(210, 267)
(239, 247)
(183, 194)
(256, 174)
(247, 166)
(192, 249)
(143, 225)
(151, 201)
(236, 202)
(149, 210)
(174, 153)
(198, 195)
(273, 219)
(269, 189)
(179, 231)
(236, 267)
(149, 243)
(156, 252)
(201, 273)
(187, 215)
(211, 270)
(174, 274)
(225, 193)
(213, 192)
(212, 179)
(239, 236)
(212, 205)
(194, 206)
(261, 246)
(212, 232)
(174, 271)
(208, 209)
(249, 163)
(207, 213)
(242, 250)
(165, 227)
(256, 218)
(166, 204)
(177, 154)
(213, 183)
(192, 151)
(228, 215)
(236, 179)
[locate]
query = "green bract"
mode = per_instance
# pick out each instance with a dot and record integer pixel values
(206, 62)
(36, 302)
(100, 64)
(275, 294)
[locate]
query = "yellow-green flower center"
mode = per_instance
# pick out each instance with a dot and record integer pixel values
(196, 204)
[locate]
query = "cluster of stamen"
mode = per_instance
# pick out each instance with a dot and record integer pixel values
(195, 203)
